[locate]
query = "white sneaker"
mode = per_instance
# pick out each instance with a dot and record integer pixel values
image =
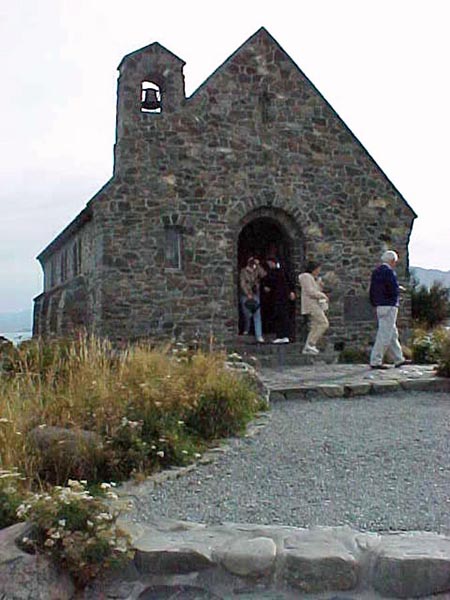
(284, 340)
(260, 340)
(310, 350)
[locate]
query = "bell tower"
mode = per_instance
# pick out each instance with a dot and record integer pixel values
(150, 86)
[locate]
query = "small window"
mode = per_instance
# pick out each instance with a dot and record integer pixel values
(150, 97)
(265, 107)
(52, 272)
(63, 265)
(172, 252)
(76, 258)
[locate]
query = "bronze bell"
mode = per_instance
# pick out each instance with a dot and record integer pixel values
(150, 101)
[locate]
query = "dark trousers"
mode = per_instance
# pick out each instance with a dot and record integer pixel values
(281, 319)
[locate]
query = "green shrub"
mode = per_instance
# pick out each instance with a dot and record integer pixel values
(10, 498)
(354, 356)
(443, 368)
(430, 307)
(224, 408)
(427, 345)
(77, 530)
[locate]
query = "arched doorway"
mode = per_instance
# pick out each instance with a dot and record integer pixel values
(261, 237)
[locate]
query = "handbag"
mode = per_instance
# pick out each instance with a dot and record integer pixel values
(323, 304)
(252, 305)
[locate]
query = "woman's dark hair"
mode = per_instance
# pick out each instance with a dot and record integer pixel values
(311, 266)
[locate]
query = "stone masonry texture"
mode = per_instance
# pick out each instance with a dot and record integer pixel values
(255, 160)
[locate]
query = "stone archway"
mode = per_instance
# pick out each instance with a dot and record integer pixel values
(270, 231)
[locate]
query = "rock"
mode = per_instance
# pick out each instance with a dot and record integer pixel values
(75, 440)
(429, 384)
(166, 551)
(385, 387)
(66, 452)
(411, 565)
(315, 561)
(356, 389)
(331, 390)
(29, 576)
(252, 557)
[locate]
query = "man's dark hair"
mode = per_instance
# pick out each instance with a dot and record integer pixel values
(311, 266)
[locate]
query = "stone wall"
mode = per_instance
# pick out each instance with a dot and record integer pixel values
(70, 299)
(255, 141)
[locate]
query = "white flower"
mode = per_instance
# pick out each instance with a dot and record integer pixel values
(22, 510)
(62, 522)
(184, 452)
(104, 516)
(56, 535)
(160, 453)
(105, 486)
(197, 455)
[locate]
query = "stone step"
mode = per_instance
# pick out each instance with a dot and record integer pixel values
(273, 355)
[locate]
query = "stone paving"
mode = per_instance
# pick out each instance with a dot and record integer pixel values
(336, 380)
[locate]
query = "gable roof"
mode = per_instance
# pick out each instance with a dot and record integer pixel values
(263, 33)
(154, 47)
(71, 229)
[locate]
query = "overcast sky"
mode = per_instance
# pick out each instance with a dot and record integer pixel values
(382, 65)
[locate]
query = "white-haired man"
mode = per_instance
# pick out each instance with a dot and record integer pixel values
(385, 295)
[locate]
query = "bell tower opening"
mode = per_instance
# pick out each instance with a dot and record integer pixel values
(260, 238)
(150, 97)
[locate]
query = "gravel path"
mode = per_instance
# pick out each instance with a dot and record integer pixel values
(375, 463)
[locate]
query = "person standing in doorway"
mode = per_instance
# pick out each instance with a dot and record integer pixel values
(277, 283)
(250, 283)
(384, 295)
(314, 304)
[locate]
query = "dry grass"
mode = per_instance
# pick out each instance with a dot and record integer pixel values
(138, 402)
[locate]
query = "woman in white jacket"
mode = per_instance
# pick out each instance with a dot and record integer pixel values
(314, 303)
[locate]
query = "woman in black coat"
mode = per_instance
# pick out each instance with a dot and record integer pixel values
(281, 291)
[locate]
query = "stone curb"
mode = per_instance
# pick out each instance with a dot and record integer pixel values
(286, 560)
(222, 559)
(356, 388)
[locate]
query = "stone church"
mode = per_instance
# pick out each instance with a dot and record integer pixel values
(254, 161)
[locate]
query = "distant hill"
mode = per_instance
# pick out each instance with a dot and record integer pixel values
(16, 321)
(427, 277)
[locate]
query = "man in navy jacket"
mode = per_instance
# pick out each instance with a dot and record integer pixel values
(384, 295)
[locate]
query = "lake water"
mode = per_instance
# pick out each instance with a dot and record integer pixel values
(17, 336)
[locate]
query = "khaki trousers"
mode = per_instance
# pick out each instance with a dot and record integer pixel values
(318, 324)
(387, 336)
